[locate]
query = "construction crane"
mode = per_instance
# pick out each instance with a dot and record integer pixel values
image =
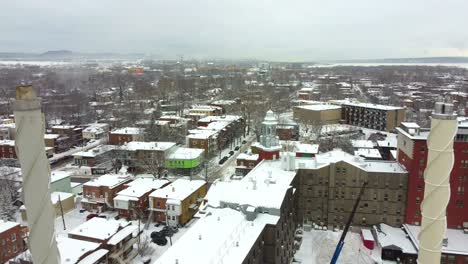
(340, 245)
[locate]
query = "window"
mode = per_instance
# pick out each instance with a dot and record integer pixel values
(464, 164)
(418, 200)
(459, 204)
(461, 190)
(14, 248)
(13, 237)
(420, 174)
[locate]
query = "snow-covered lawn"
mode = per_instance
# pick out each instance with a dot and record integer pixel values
(318, 247)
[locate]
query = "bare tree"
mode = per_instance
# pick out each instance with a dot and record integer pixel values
(9, 194)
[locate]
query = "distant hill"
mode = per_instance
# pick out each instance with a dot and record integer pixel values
(409, 60)
(68, 55)
(57, 54)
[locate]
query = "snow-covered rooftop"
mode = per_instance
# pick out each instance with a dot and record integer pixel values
(128, 131)
(7, 142)
(362, 144)
(179, 189)
(109, 180)
(368, 153)
(457, 240)
(338, 155)
(244, 156)
(94, 257)
(264, 186)
(6, 225)
(95, 151)
(185, 154)
(226, 234)
(366, 105)
(307, 148)
(140, 187)
(71, 250)
(99, 228)
(59, 175)
(122, 234)
(394, 237)
(319, 107)
(54, 196)
(156, 146)
(224, 118)
(51, 136)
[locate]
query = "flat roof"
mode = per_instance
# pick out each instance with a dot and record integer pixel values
(457, 241)
(94, 257)
(139, 145)
(394, 237)
(225, 232)
(264, 186)
(368, 153)
(319, 107)
(59, 175)
(179, 189)
(108, 180)
(6, 225)
(183, 153)
(99, 228)
(362, 143)
(366, 105)
(71, 250)
(128, 131)
(338, 155)
(95, 151)
(7, 142)
(140, 187)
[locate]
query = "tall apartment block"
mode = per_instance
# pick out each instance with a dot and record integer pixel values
(373, 116)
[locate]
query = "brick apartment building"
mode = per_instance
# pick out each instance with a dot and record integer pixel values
(330, 183)
(7, 149)
(257, 212)
(11, 240)
(133, 201)
(99, 193)
(123, 135)
(145, 156)
(373, 116)
(113, 236)
(74, 133)
(412, 153)
(177, 202)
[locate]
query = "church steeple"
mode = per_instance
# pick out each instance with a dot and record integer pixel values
(268, 148)
(268, 138)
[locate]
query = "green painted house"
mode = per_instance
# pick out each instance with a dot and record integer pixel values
(184, 160)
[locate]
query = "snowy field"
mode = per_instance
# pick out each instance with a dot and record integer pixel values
(318, 247)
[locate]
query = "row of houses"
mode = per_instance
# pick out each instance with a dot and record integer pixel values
(157, 199)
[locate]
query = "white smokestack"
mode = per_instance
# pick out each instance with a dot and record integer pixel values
(437, 182)
(36, 175)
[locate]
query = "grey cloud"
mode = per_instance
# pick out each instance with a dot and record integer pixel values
(264, 29)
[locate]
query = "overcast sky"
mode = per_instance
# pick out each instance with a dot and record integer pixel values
(297, 30)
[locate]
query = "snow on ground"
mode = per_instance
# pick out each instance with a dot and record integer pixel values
(318, 247)
(159, 250)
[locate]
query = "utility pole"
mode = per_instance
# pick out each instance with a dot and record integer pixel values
(61, 211)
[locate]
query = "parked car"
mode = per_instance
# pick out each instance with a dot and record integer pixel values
(231, 153)
(243, 141)
(221, 161)
(237, 148)
(88, 217)
(159, 240)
